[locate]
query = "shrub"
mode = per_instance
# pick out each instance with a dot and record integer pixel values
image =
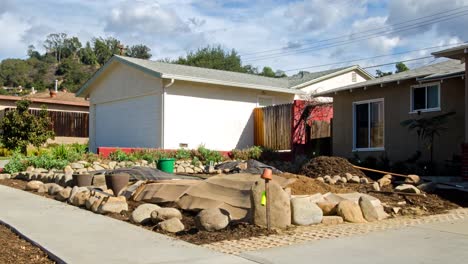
(254, 152)
(17, 163)
(183, 154)
(47, 161)
(118, 155)
(207, 155)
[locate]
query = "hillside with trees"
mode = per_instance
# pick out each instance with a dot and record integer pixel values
(72, 62)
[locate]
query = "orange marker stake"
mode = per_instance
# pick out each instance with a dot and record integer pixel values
(267, 176)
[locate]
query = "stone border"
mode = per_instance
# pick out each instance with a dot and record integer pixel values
(304, 234)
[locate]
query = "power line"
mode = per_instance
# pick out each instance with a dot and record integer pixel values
(391, 63)
(330, 45)
(370, 30)
(374, 57)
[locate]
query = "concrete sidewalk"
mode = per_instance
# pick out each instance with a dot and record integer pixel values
(75, 235)
(428, 243)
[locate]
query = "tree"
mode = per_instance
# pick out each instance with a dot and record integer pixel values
(428, 128)
(21, 128)
(379, 73)
(105, 48)
(401, 67)
(14, 72)
(280, 74)
(71, 46)
(213, 57)
(55, 43)
(138, 51)
(87, 55)
(267, 72)
(33, 53)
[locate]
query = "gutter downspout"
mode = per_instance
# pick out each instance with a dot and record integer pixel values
(163, 111)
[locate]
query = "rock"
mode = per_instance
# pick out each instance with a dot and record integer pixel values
(112, 164)
(213, 219)
(91, 200)
(321, 179)
(180, 169)
(328, 208)
(142, 214)
(336, 178)
(44, 188)
(63, 194)
(327, 178)
(332, 220)
(5, 176)
(54, 188)
(189, 170)
(348, 176)
(354, 179)
(350, 211)
(364, 181)
(407, 188)
(172, 225)
(30, 169)
(77, 165)
(305, 212)
(33, 185)
(384, 182)
(76, 190)
(98, 167)
(79, 199)
(112, 205)
(68, 170)
(333, 198)
(388, 176)
(280, 205)
(343, 180)
(413, 179)
(376, 186)
(162, 214)
(332, 182)
(99, 180)
(371, 212)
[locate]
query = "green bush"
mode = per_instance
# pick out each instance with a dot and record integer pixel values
(207, 155)
(118, 155)
(254, 152)
(17, 163)
(183, 154)
(47, 161)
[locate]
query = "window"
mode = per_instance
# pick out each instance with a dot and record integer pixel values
(353, 77)
(425, 97)
(263, 100)
(368, 125)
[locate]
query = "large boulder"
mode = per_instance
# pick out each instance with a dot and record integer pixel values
(212, 219)
(142, 214)
(305, 212)
(328, 208)
(162, 214)
(76, 190)
(63, 194)
(112, 205)
(33, 185)
(350, 211)
(280, 207)
(54, 189)
(172, 225)
(370, 211)
(407, 188)
(79, 199)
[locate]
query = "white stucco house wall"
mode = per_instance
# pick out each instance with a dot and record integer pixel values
(147, 104)
(318, 82)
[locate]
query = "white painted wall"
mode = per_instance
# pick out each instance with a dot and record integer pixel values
(331, 83)
(219, 117)
(125, 109)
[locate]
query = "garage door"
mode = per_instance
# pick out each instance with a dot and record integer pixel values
(129, 123)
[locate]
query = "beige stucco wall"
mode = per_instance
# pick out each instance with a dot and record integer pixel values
(399, 143)
(220, 117)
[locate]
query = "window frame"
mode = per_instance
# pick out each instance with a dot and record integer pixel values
(425, 110)
(265, 97)
(355, 149)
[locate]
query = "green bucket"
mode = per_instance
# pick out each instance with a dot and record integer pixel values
(166, 165)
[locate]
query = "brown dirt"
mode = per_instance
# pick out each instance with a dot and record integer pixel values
(19, 251)
(321, 166)
(306, 185)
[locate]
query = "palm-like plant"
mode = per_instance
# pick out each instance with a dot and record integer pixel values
(428, 128)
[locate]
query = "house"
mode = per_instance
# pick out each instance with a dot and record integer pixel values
(68, 113)
(322, 81)
(148, 104)
(368, 115)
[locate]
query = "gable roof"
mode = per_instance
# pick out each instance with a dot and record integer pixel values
(197, 74)
(303, 79)
(439, 70)
(62, 98)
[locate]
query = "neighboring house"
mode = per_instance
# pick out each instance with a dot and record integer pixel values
(319, 82)
(142, 103)
(69, 113)
(368, 115)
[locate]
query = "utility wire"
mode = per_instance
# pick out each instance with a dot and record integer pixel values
(374, 57)
(351, 35)
(391, 63)
(271, 56)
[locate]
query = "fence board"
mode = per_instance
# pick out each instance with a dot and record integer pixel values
(272, 127)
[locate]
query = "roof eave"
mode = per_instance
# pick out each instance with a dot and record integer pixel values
(333, 74)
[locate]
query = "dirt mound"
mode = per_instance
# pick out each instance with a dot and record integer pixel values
(321, 166)
(306, 185)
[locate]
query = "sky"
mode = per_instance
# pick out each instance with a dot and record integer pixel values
(311, 35)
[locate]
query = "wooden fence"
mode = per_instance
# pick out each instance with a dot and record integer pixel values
(66, 124)
(272, 126)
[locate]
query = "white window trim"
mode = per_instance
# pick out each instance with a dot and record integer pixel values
(434, 109)
(265, 97)
(354, 125)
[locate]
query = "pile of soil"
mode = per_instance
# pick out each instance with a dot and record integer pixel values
(17, 250)
(306, 185)
(322, 165)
